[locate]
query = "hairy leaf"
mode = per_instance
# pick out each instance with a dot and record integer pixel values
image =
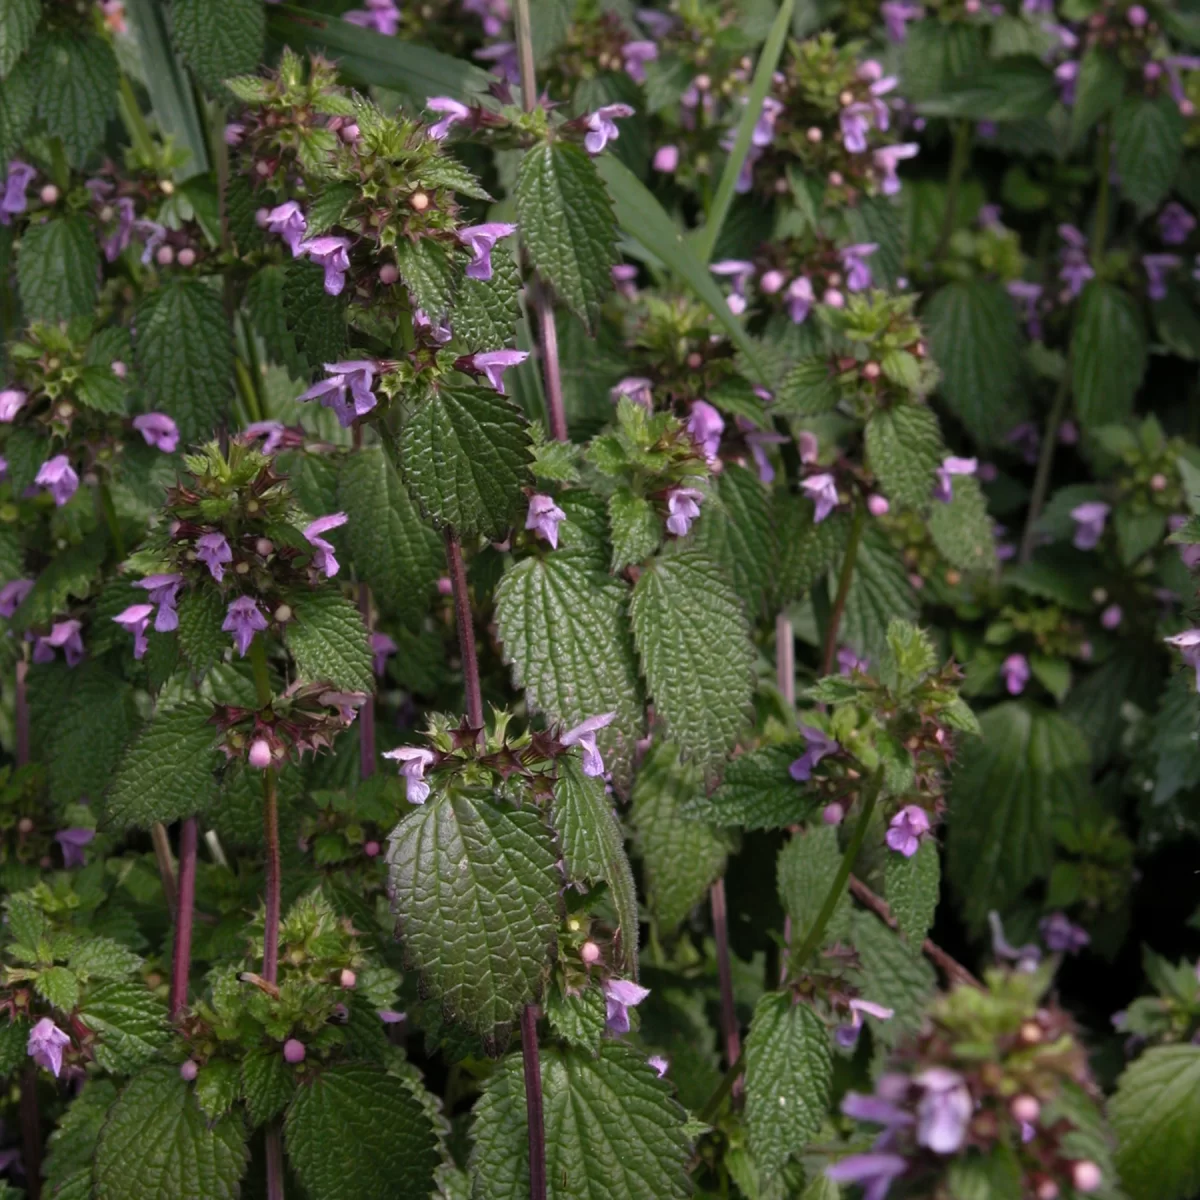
(894, 974)
(71, 1148)
(735, 528)
(962, 529)
(911, 888)
(636, 529)
(757, 792)
(18, 20)
(879, 592)
(57, 268)
(131, 1022)
(219, 38)
(328, 640)
(84, 95)
(91, 730)
(1148, 136)
(904, 450)
(1108, 355)
(808, 865)
(486, 312)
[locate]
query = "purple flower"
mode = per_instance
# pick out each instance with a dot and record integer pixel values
(503, 57)
(1175, 224)
(1026, 439)
(666, 159)
(46, 1042)
(382, 16)
(270, 431)
(847, 1035)
(544, 518)
(294, 1050)
(12, 595)
(660, 1064)
(20, 176)
(1089, 521)
(480, 239)
(1188, 644)
(763, 133)
(154, 235)
(907, 828)
(636, 55)
(855, 125)
(213, 550)
(858, 274)
(849, 662)
(624, 277)
(818, 746)
(12, 400)
(943, 489)
(493, 364)
(289, 222)
(116, 242)
(64, 636)
(887, 158)
(72, 842)
(1060, 936)
(757, 440)
(355, 375)
(896, 16)
(800, 298)
(430, 331)
(602, 127)
(706, 426)
(1016, 673)
(158, 430)
(413, 760)
(639, 390)
(1157, 268)
(621, 995)
(944, 1110)
(874, 1171)
(1027, 295)
(135, 620)
(1075, 270)
(163, 589)
(243, 619)
(323, 559)
(740, 272)
(683, 507)
(823, 493)
(382, 648)
(1136, 15)
(330, 253)
(878, 1110)
(1066, 74)
(452, 111)
(56, 475)
(1110, 618)
(584, 734)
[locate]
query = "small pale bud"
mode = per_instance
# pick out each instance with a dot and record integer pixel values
(349, 133)
(347, 979)
(388, 274)
(833, 298)
(1047, 1190)
(1031, 1033)
(294, 1051)
(1187, 108)
(953, 578)
(49, 194)
(188, 1071)
(1025, 1108)
(260, 217)
(872, 370)
(371, 849)
(1158, 482)
(695, 360)
(418, 201)
(167, 187)
(164, 256)
(283, 614)
(814, 134)
(25, 825)
(590, 953)
(187, 257)
(107, 213)
(703, 82)
(836, 179)
(242, 568)
(877, 505)
(260, 754)
(846, 97)
(263, 547)
(833, 814)
(119, 369)
(262, 169)
(444, 586)
(1086, 1176)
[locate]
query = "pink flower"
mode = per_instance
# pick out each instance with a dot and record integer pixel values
(244, 619)
(706, 426)
(213, 550)
(1089, 521)
(158, 430)
(479, 240)
(584, 735)
(544, 518)
(907, 828)
(493, 364)
(452, 112)
(135, 620)
(58, 478)
(823, 492)
(382, 648)
(64, 636)
(323, 557)
(602, 127)
(12, 400)
(1016, 673)
(620, 996)
(413, 760)
(45, 1046)
(683, 507)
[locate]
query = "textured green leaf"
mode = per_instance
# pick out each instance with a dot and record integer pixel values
(879, 592)
(18, 20)
(72, 1146)
(168, 770)
(430, 275)
(475, 890)
(201, 638)
(84, 96)
(580, 1020)
(131, 1022)
(58, 264)
(680, 857)
(691, 632)
(807, 550)
(103, 958)
(1156, 1115)
(636, 529)
(219, 38)
(1108, 355)
(563, 626)
(936, 53)
(789, 1073)
(612, 1130)
(465, 454)
(70, 574)
(399, 555)
(911, 888)
(156, 1144)
(567, 224)
(267, 1084)
(807, 390)
(316, 319)
(14, 1043)
(1148, 136)
(593, 848)
(976, 341)
(59, 986)
(99, 389)
(92, 729)
(894, 974)
(995, 1176)
(1098, 90)
(962, 530)
(904, 450)
(358, 1133)
(757, 792)
(217, 1087)
(486, 312)
(1016, 87)
(808, 865)
(735, 528)
(328, 640)
(185, 355)
(18, 103)
(1032, 767)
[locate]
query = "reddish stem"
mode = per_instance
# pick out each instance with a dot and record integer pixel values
(270, 969)
(551, 369)
(729, 1022)
(31, 1132)
(533, 1102)
(466, 628)
(184, 916)
(274, 1148)
(22, 714)
(366, 715)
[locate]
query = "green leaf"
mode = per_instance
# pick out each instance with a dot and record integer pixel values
(1109, 355)
(894, 974)
(578, 1019)
(1156, 1115)
(430, 275)
(103, 958)
(808, 865)
(156, 1142)
(691, 632)
(904, 450)
(393, 549)
(18, 102)
(59, 986)
(201, 638)
(1032, 765)
(976, 341)
(936, 54)
(219, 38)
(680, 858)
(99, 389)
(316, 319)
(994, 1176)
(84, 95)
(807, 550)
(93, 726)
(465, 454)
(1148, 136)
(72, 1146)
(879, 592)
(789, 1075)
(267, 1084)
(612, 1129)
(1013, 88)
(567, 224)
(185, 355)
(636, 529)
(167, 772)
(735, 528)
(807, 390)
(486, 312)
(217, 1087)
(593, 849)
(328, 640)
(14, 1044)
(962, 530)
(358, 1133)
(1099, 87)
(131, 1022)
(58, 264)
(564, 630)
(70, 574)
(757, 792)
(475, 890)
(18, 20)
(911, 887)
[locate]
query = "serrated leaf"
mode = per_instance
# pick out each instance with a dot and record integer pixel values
(807, 390)
(14, 1045)
(879, 592)
(201, 638)
(612, 1129)
(93, 726)
(18, 103)
(680, 858)
(217, 1086)
(735, 528)
(156, 1142)
(131, 1022)
(904, 450)
(1108, 355)
(58, 265)
(430, 275)
(475, 890)
(486, 311)
(465, 455)
(59, 986)
(168, 771)
(1148, 138)
(789, 1074)
(71, 1148)
(578, 1019)
(911, 888)
(563, 626)
(69, 575)
(84, 97)
(1156, 1115)
(593, 849)
(219, 38)
(976, 341)
(693, 638)
(99, 389)
(1016, 87)
(18, 20)
(103, 958)
(267, 1085)
(1099, 87)
(807, 550)
(185, 355)
(1032, 765)
(635, 527)
(316, 319)
(963, 530)
(567, 223)
(808, 865)
(328, 640)
(757, 792)
(394, 551)
(894, 974)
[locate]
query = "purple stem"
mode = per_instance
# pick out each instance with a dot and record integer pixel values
(466, 628)
(184, 914)
(22, 714)
(274, 1148)
(31, 1132)
(533, 1102)
(729, 1023)
(270, 969)
(366, 716)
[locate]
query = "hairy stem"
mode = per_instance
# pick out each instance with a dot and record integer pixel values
(1041, 478)
(785, 657)
(829, 649)
(960, 157)
(466, 628)
(274, 1148)
(262, 686)
(166, 864)
(31, 1132)
(729, 1022)
(366, 714)
(533, 1102)
(21, 713)
(181, 960)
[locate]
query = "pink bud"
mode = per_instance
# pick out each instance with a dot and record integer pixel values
(188, 1071)
(371, 849)
(1047, 1190)
(877, 505)
(263, 547)
(771, 282)
(349, 133)
(1187, 108)
(872, 370)
(293, 1051)
(164, 256)
(388, 274)
(814, 134)
(834, 298)
(835, 179)
(1158, 483)
(445, 587)
(833, 814)
(119, 369)
(590, 953)
(347, 978)
(260, 753)
(187, 257)
(1025, 1109)
(1086, 1176)
(49, 194)
(260, 217)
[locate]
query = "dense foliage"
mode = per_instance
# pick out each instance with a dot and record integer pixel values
(597, 599)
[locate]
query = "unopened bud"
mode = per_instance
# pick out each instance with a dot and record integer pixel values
(1187, 108)
(814, 134)
(877, 505)
(49, 194)
(260, 754)
(1086, 1176)
(418, 201)
(835, 179)
(702, 82)
(119, 369)
(242, 568)
(388, 274)
(833, 814)
(164, 256)
(1025, 1108)
(263, 547)
(293, 1051)
(347, 979)
(167, 187)
(1031, 1032)
(349, 133)
(262, 168)
(371, 849)
(283, 614)
(25, 825)
(846, 97)
(188, 1071)
(833, 298)
(872, 370)
(590, 953)
(260, 217)
(187, 257)
(444, 586)
(771, 282)
(695, 360)
(1158, 482)
(1047, 1190)
(953, 577)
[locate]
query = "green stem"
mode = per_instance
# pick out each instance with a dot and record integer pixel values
(258, 664)
(1103, 170)
(134, 122)
(59, 167)
(1041, 478)
(246, 386)
(960, 158)
(109, 510)
(829, 648)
